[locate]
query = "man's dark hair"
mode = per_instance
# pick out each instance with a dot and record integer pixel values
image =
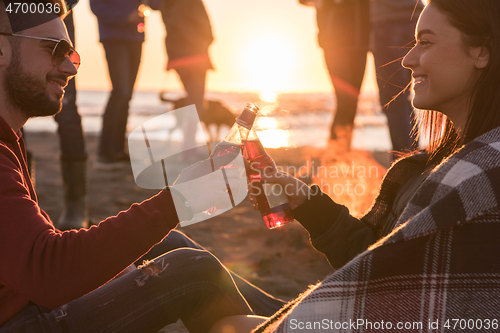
(12, 22)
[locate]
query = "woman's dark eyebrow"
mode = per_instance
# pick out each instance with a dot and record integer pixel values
(425, 31)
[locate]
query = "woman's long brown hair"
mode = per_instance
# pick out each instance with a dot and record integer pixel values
(478, 21)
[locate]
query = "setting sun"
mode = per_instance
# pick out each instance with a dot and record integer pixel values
(269, 59)
(268, 96)
(268, 47)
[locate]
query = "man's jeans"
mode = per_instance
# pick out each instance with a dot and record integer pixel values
(261, 302)
(71, 139)
(123, 57)
(392, 40)
(187, 284)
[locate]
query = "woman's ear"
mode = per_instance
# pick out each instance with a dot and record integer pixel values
(482, 56)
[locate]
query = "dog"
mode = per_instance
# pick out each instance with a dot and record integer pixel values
(215, 113)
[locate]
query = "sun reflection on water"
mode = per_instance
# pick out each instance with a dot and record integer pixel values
(267, 123)
(269, 133)
(274, 138)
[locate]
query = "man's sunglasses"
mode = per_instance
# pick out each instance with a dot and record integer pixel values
(61, 51)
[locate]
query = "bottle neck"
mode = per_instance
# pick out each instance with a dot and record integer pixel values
(246, 119)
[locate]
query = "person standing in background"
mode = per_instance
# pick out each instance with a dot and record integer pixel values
(121, 31)
(189, 35)
(73, 154)
(393, 29)
(343, 34)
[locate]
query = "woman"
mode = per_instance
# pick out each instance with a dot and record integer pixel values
(425, 256)
(189, 35)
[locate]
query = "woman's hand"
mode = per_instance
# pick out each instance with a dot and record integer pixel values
(296, 190)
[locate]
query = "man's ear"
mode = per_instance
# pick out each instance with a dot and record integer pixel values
(482, 56)
(4, 51)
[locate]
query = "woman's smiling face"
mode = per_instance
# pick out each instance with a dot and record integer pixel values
(444, 68)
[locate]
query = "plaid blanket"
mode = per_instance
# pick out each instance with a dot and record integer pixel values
(438, 271)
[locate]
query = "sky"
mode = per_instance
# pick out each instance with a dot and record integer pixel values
(266, 46)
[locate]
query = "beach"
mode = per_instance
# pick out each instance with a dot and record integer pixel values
(281, 261)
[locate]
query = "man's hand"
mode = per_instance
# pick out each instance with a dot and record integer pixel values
(204, 188)
(204, 168)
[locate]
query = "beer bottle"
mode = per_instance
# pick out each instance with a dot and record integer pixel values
(233, 143)
(271, 198)
(238, 134)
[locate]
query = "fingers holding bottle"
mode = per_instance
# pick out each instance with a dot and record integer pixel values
(296, 190)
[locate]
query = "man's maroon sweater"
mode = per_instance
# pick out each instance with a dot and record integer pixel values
(42, 264)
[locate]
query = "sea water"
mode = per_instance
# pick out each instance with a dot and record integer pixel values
(293, 120)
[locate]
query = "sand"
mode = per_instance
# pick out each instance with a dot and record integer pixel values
(281, 261)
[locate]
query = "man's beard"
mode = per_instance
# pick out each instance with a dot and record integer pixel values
(28, 93)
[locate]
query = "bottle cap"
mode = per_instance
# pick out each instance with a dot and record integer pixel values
(248, 116)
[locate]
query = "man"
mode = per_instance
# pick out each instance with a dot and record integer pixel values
(121, 32)
(73, 154)
(50, 279)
